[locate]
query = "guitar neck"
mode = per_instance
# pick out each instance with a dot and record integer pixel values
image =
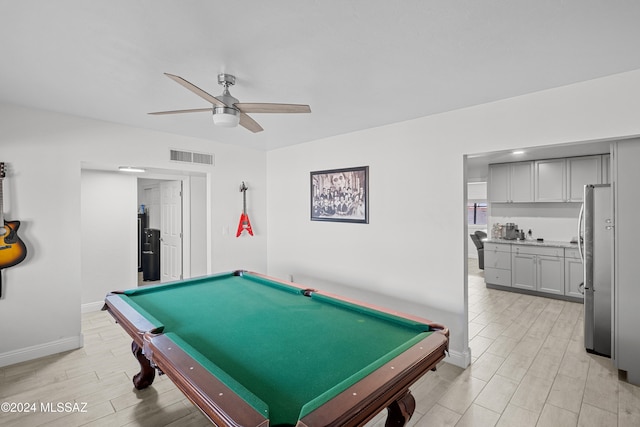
(1, 206)
(244, 202)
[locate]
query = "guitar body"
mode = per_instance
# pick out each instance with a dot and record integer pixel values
(244, 224)
(12, 248)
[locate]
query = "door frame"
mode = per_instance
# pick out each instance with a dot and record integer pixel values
(186, 215)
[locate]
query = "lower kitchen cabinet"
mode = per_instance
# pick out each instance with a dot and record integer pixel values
(497, 263)
(538, 269)
(541, 270)
(550, 274)
(523, 271)
(573, 273)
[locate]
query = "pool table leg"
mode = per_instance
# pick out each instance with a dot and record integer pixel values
(400, 411)
(145, 377)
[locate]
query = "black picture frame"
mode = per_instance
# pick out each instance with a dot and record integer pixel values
(340, 195)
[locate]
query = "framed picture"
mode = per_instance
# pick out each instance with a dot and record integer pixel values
(340, 195)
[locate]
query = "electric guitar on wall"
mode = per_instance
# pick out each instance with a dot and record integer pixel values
(12, 248)
(244, 218)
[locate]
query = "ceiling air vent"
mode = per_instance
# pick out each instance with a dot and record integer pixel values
(205, 159)
(191, 157)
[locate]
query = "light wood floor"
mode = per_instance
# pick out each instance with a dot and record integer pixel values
(529, 369)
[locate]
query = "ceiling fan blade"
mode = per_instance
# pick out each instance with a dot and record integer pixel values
(250, 124)
(255, 107)
(193, 110)
(195, 89)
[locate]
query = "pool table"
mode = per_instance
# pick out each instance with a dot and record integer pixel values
(251, 350)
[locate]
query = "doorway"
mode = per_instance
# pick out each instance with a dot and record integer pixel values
(161, 206)
(476, 170)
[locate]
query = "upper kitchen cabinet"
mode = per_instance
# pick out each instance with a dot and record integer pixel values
(582, 171)
(563, 180)
(510, 182)
(550, 178)
(606, 168)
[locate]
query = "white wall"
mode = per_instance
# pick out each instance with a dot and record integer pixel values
(626, 291)
(108, 220)
(40, 309)
(149, 196)
(198, 222)
(415, 245)
(40, 306)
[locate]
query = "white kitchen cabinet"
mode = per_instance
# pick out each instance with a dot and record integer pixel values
(522, 182)
(498, 186)
(550, 180)
(563, 180)
(538, 268)
(497, 264)
(523, 271)
(550, 274)
(573, 273)
(606, 168)
(511, 182)
(582, 171)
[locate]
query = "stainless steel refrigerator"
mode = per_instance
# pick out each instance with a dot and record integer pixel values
(596, 249)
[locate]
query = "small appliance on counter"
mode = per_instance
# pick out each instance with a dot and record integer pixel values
(497, 231)
(510, 231)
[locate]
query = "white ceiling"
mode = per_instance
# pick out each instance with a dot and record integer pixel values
(359, 64)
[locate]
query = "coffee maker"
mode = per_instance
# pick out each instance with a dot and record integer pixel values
(510, 231)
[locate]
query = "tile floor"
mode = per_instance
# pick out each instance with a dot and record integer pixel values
(529, 369)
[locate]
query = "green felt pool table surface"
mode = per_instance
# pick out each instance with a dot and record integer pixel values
(284, 351)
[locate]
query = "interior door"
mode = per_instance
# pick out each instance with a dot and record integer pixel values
(171, 230)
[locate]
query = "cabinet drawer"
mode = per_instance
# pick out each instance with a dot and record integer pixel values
(497, 276)
(497, 247)
(538, 250)
(497, 260)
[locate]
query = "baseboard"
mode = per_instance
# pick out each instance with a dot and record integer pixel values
(40, 350)
(91, 307)
(461, 360)
(535, 293)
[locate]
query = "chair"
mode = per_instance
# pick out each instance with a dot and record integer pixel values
(477, 240)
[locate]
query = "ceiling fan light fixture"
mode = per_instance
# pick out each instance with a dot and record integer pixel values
(226, 117)
(227, 111)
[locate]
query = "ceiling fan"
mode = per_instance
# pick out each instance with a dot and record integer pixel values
(227, 111)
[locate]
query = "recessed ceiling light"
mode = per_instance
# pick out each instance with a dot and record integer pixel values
(517, 152)
(130, 169)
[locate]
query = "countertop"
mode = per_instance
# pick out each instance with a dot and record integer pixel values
(534, 242)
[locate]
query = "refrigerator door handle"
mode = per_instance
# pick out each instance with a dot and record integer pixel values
(581, 232)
